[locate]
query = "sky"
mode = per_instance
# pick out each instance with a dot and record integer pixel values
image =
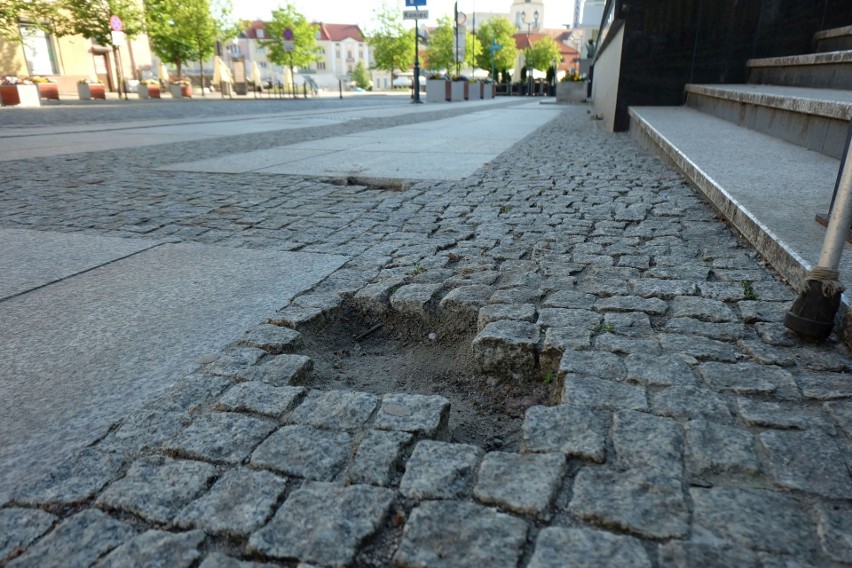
(556, 12)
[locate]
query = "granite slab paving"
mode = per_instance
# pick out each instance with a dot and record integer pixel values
(83, 352)
(686, 427)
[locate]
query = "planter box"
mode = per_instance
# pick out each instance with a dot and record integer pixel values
(180, 91)
(457, 89)
(148, 91)
(571, 92)
(89, 92)
(48, 91)
(436, 90)
(19, 95)
(488, 91)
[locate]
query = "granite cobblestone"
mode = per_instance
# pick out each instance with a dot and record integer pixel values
(690, 429)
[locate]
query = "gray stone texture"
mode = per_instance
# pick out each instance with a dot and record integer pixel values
(440, 470)
(423, 415)
(323, 523)
(841, 411)
(556, 547)
(701, 348)
(750, 379)
(74, 481)
(650, 306)
(156, 488)
(415, 299)
(464, 302)
(834, 528)
(279, 371)
(239, 502)
(713, 448)
(679, 554)
(521, 483)
(647, 443)
(379, 457)
(645, 505)
(783, 415)
(453, 534)
(659, 371)
(227, 437)
(505, 347)
(576, 431)
(809, 461)
(260, 398)
(691, 402)
(146, 429)
(602, 393)
(272, 339)
(304, 451)
(702, 309)
(79, 541)
(335, 410)
(156, 548)
(218, 560)
(496, 312)
(825, 386)
(602, 365)
(21, 527)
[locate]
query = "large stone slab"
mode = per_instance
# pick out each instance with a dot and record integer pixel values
(84, 352)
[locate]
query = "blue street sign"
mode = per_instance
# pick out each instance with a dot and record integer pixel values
(415, 3)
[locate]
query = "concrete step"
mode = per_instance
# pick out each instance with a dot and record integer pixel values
(837, 39)
(768, 189)
(816, 119)
(829, 70)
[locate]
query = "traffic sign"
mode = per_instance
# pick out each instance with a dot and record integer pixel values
(415, 15)
(414, 3)
(117, 39)
(288, 34)
(289, 46)
(115, 23)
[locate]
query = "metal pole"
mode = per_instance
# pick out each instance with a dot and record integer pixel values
(416, 63)
(340, 87)
(814, 311)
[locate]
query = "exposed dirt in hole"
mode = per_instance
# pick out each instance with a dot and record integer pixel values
(400, 357)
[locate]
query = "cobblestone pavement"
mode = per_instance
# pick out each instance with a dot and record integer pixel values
(690, 430)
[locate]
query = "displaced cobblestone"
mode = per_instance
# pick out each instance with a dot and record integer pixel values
(260, 398)
(578, 431)
(378, 457)
(558, 546)
(304, 451)
(521, 483)
(226, 437)
(335, 410)
(425, 416)
(440, 470)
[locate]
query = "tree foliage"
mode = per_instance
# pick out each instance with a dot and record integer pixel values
(92, 19)
(392, 44)
(38, 14)
(360, 75)
(304, 38)
(501, 31)
(441, 52)
(168, 23)
(540, 55)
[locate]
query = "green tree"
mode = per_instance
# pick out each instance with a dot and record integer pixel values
(392, 44)
(441, 52)
(360, 75)
(540, 55)
(304, 39)
(38, 14)
(92, 19)
(166, 33)
(500, 31)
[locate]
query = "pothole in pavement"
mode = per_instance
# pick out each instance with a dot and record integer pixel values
(398, 355)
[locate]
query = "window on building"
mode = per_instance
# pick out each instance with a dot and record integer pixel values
(261, 34)
(261, 50)
(320, 65)
(38, 50)
(350, 68)
(349, 55)
(337, 53)
(262, 64)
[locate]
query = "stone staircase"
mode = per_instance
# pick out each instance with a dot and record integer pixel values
(767, 153)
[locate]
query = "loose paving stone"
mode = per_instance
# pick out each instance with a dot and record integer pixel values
(235, 360)
(156, 548)
(713, 448)
(156, 488)
(834, 528)
(719, 331)
(601, 393)
(648, 443)
(841, 411)
(325, 302)
(440, 470)
(239, 502)
(782, 415)
(522, 483)
(750, 378)
(423, 415)
(577, 431)
(691, 402)
(260, 398)
(678, 554)
(298, 317)
(272, 339)
(76, 480)
(701, 348)
(226, 437)
(825, 386)
(559, 340)
(754, 518)
(415, 299)
(378, 457)
(648, 506)
(146, 429)
(586, 548)
(375, 297)
(453, 534)
(809, 461)
(496, 312)
(279, 371)
(602, 365)
(218, 560)
(659, 371)
(507, 346)
(323, 523)
(465, 301)
(335, 410)
(21, 527)
(79, 541)
(304, 451)
(702, 309)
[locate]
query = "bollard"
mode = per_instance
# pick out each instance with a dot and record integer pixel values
(812, 314)
(340, 87)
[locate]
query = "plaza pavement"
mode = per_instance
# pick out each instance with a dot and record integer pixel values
(151, 414)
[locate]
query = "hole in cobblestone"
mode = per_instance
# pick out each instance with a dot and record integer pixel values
(386, 184)
(398, 355)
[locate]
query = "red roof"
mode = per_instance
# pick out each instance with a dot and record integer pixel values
(339, 32)
(251, 31)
